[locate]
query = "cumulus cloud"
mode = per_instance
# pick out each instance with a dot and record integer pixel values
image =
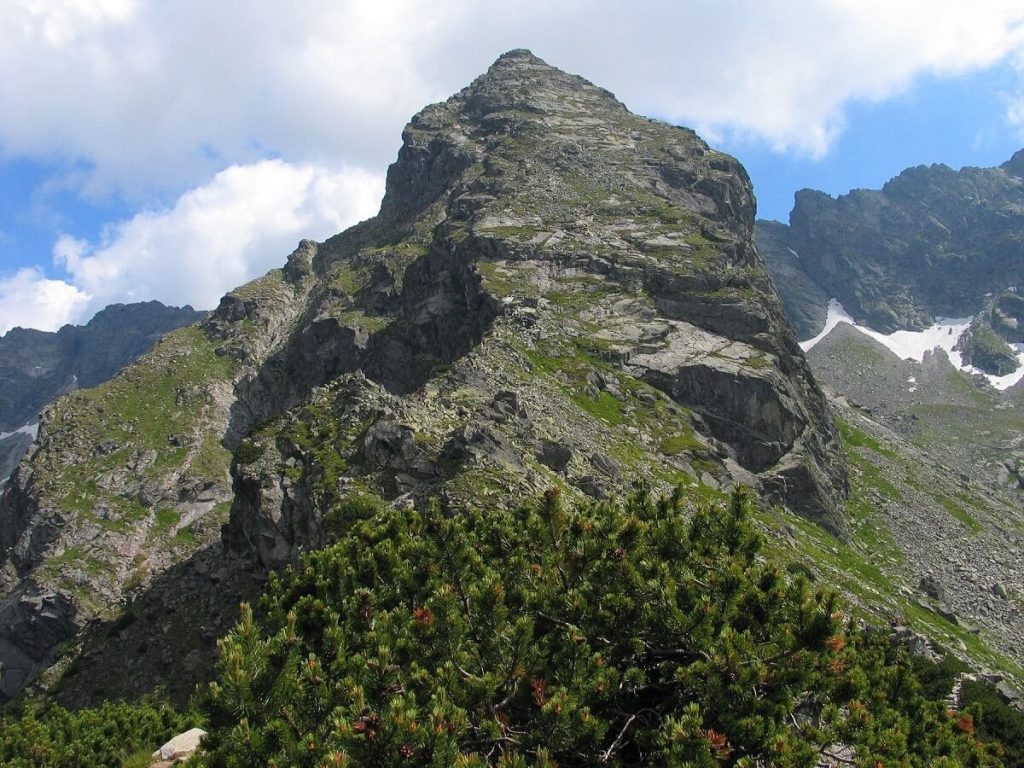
(30, 300)
(146, 93)
(241, 224)
(245, 221)
(143, 100)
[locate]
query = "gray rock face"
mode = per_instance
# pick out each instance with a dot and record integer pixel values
(805, 301)
(932, 242)
(36, 367)
(984, 348)
(482, 219)
(12, 448)
(1008, 316)
(555, 292)
(35, 621)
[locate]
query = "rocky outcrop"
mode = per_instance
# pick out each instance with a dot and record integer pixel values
(36, 620)
(805, 301)
(1007, 318)
(985, 349)
(483, 218)
(178, 749)
(933, 242)
(12, 448)
(556, 292)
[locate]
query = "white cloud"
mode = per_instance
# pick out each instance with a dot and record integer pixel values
(145, 99)
(30, 300)
(161, 95)
(245, 221)
(241, 224)
(784, 72)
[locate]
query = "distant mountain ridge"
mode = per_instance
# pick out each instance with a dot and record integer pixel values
(38, 366)
(933, 242)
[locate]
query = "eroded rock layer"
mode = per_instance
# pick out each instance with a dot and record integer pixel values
(556, 292)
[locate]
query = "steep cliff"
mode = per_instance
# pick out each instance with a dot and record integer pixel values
(932, 242)
(556, 292)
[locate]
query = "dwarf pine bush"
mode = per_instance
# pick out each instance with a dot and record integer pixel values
(635, 632)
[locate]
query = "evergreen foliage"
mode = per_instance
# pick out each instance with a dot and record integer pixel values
(642, 632)
(995, 720)
(109, 735)
(937, 678)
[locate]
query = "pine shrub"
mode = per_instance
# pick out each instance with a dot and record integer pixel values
(635, 632)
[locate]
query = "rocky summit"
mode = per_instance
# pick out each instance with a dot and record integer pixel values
(933, 242)
(555, 293)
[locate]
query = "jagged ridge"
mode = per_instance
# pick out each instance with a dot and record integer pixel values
(932, 242)
(555, 292)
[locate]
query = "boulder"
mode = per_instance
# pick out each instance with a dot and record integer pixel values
(181, 747)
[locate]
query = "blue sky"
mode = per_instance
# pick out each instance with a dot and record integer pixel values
(958, 121)
(175, 150)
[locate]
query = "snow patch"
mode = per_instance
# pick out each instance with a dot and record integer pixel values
(32, 430)
(911, 345)
(999, 382)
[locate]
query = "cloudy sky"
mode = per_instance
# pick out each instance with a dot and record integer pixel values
(173, 150)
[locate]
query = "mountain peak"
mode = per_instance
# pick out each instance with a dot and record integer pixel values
(520, 81)
(556, 292)
(519, 55)
(1015, 165)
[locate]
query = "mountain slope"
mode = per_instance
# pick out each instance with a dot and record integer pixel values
(932, 242)
(555, 292)
(36, 367)
(935, 500)
(934, 448)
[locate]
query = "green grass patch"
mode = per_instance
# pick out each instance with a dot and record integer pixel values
(604, 407)
(678, 443)
(576, 300)
(855, 438)
(500, 279)
(859, 352)
(756, 361)
(262, 287)
(958, 512)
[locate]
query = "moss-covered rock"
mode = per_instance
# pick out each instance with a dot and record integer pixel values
(983, 348)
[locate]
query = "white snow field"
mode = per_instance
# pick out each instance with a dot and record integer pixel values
(913, 344)
(32, 430)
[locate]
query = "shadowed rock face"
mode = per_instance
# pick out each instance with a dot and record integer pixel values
(12, 448)
(932, 242)
(555, 292)
(805, 301)
(36, 367)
